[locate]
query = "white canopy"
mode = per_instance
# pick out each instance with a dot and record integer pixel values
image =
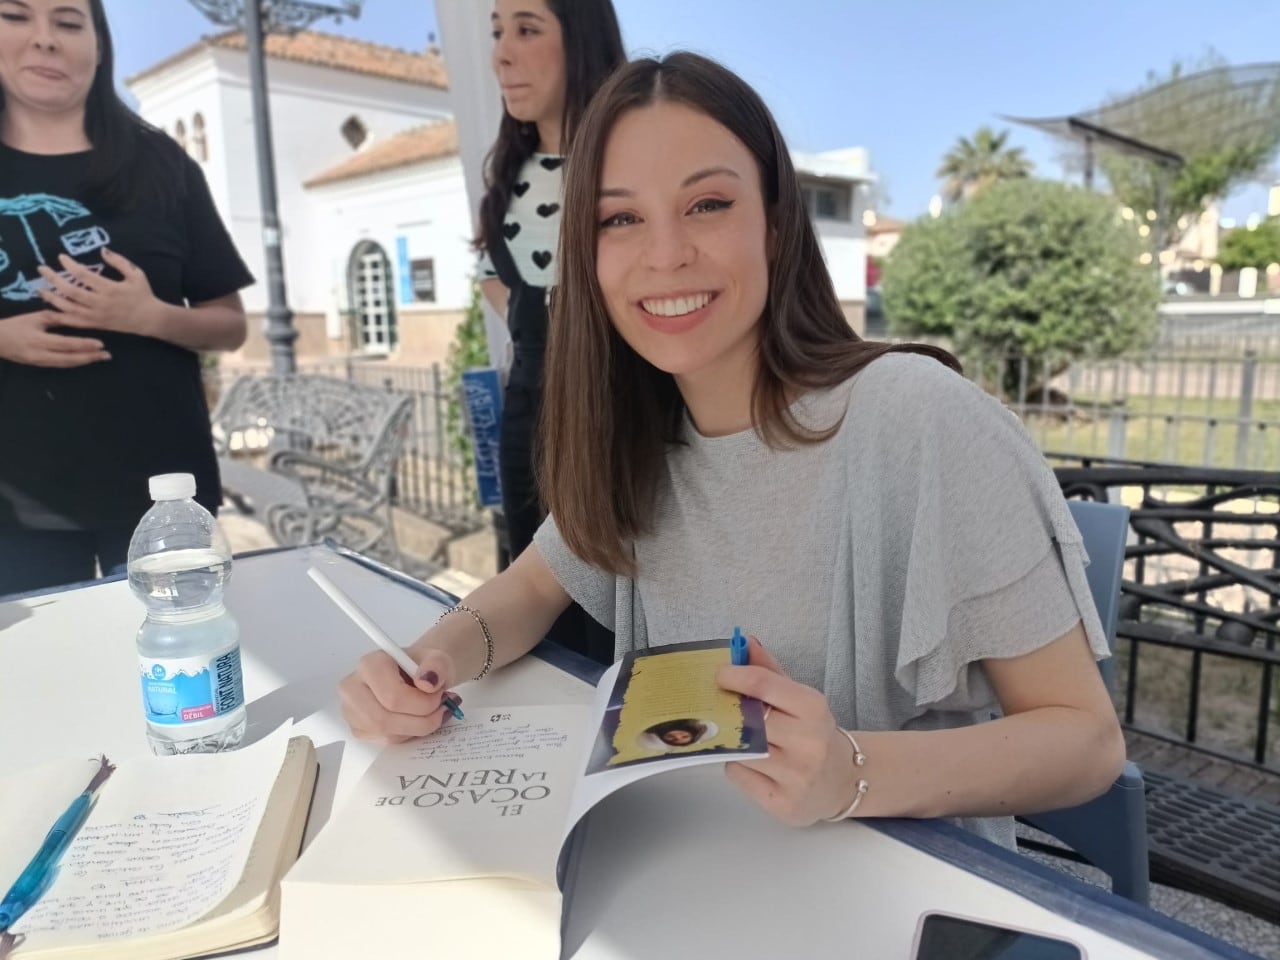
(477, 110)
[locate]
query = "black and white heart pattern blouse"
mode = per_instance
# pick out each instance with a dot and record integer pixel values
(532, 224)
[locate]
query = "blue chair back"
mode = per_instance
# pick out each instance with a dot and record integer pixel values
(1109, 831)
(1105, 529)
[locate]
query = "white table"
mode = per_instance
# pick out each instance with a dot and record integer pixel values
(69, 685)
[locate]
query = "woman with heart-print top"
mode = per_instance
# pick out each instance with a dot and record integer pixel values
(549, 57)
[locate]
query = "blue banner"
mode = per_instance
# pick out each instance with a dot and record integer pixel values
(405, 271)
(482, 392)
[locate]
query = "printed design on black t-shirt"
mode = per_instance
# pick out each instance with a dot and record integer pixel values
(26, 217)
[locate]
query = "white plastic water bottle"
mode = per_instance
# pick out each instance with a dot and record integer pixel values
(189, 645)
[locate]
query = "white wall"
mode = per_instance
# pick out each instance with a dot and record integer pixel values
(844, 242)
(188, 89)
(846, 258)
(844, 247)
(425, 204)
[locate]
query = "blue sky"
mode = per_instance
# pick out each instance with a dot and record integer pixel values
(903, 78)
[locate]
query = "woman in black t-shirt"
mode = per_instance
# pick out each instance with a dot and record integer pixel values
(549, 57)
(114, 270)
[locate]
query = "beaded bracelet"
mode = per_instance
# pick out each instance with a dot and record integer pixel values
(859, 759)
(484, 628)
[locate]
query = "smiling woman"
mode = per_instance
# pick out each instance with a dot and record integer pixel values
(682, 256)
(721, 448)
(115, 271)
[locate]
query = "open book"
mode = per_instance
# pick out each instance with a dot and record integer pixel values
(180, 856)
(461, 843)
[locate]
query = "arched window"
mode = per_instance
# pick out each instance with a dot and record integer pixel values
(370, 293)
(199, 139)
(354, 131)
(180, 134)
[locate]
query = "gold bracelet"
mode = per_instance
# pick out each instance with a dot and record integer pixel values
(484, 628)
(859, 759)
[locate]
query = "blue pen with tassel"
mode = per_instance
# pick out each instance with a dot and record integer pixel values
(35, 879)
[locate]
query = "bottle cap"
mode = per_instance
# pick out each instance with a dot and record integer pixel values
(172, 486)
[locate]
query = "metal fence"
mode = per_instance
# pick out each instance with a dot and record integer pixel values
(434, 479)
(1168, 408)
(1230, 329)
(1200, 604)
(1173, 408)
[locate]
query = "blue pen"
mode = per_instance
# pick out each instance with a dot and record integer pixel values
(35, 879)
(451, 704)
(738, 648)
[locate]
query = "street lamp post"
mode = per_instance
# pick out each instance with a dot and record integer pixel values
(258, 18)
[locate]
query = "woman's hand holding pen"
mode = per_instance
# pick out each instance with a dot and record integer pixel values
(809, 773)
(380, 702)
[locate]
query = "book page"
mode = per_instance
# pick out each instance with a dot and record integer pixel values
(166, 842)
(273, 842)
(661, 709)
(485, 796)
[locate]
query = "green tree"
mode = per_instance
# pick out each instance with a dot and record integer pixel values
(470, 348)
(1259, 247)
(1027, 268)
(1224, 122)
(973, 164)
(923, 280)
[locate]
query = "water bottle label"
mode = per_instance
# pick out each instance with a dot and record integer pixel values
(190, 689)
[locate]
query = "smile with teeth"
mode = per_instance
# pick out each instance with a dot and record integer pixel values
(677, 306)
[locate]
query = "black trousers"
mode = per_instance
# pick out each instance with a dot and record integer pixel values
(575, 629)
(37, 559)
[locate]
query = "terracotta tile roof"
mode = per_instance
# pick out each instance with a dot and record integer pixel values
(432, 142)
(326, 50)
(886, 225)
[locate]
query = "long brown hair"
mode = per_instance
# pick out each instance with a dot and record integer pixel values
(592, 50)
(608, 415)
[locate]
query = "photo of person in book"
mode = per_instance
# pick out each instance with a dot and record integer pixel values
(676, 734)
(667, 702)
(720, 447)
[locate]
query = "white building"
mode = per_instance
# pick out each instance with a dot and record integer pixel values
(367, 173)
(833, 184)
(372, 196)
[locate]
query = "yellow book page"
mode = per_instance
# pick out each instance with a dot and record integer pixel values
(673, 705)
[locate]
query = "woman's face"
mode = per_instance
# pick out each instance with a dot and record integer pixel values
(528, 58)
(677, 738)
(48, 53)
(682, 249)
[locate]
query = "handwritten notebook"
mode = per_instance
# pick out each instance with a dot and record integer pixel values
(464, 840)
(180, 856)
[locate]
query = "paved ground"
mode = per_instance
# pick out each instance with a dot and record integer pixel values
(244, 534)
(1243, 930)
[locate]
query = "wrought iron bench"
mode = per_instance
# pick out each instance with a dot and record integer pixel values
(314, 457)
(1202, 579)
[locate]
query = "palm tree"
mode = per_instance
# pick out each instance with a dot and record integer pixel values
(973, 164)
